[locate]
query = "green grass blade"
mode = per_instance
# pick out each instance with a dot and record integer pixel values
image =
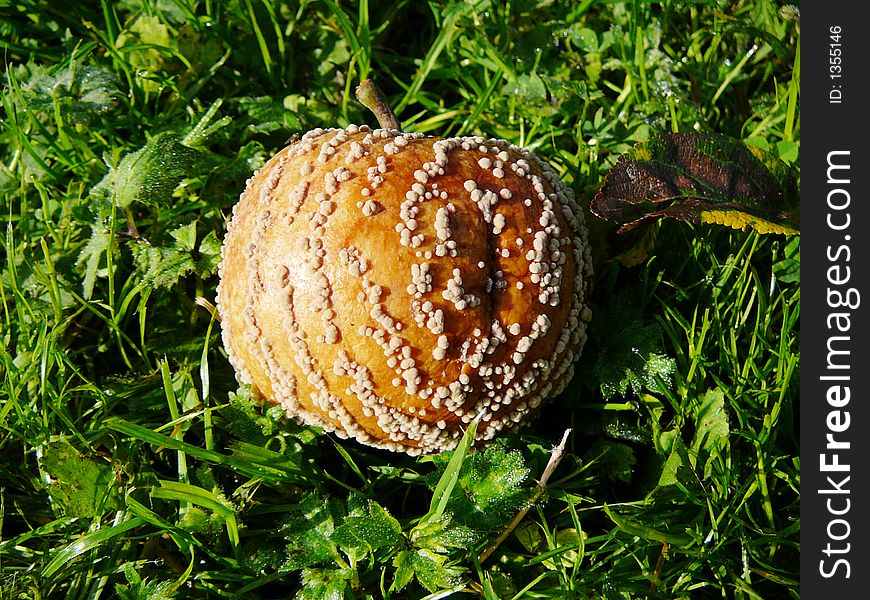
(444, 488)
(88, 542)
(282, 470)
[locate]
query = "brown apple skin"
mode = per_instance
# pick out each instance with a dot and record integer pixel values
(391, 287)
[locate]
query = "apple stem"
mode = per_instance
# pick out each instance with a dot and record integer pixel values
(371, 96)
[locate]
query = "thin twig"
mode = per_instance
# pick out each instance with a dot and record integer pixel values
(211, 308)
(555, 457)
(657, 574)
(371, 96)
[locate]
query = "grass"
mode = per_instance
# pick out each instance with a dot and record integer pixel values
(132, 466)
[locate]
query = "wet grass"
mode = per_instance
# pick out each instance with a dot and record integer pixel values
(131, 466)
